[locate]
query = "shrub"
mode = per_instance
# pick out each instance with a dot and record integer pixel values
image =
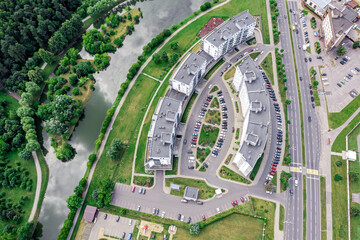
(337, 177)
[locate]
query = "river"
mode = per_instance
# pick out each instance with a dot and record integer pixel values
(158, 14)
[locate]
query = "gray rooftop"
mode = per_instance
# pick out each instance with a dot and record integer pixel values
(340, 21)
(259, 115)
(162, 134)
(191, 193)
(230, 27)
(188, 67)
(321, 3)
(350, 14)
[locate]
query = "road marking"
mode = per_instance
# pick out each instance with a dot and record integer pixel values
(312, 171)
(295, 169)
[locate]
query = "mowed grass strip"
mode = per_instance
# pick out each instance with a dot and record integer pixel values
(336, 119)
(205, 191)
(339, 144)
(267, 65)
(339, 199)
(323, 207)
(282, 217)
(126, 128)
(188, 36)
(227, 173)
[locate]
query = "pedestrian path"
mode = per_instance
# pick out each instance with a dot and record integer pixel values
(156, 79)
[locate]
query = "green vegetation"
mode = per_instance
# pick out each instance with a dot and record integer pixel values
(205, 191)
(215, 103)
(315, 83)
(323, 207)
(228, 159)
(202, 153)
(256, 168)
(282, 217)
(227, 173)
(304, 207)
(284, 180)
(339, 204)
(317, 47)
(213, 117)
(188, 108)
(336, 119)
(144, 181)
(214, 89)
(254, 55)
(211, 72)
(267, 65)
(339, 144)
(175, 167)
(230, 73)
(208, 135)
(274, 11)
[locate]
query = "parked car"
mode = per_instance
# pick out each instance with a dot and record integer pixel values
(118, 219)
(203, 217)
(133, 189)
(179, 216)
(105, 216)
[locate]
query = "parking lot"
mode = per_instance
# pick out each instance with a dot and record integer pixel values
(340, 88)
(111, 227)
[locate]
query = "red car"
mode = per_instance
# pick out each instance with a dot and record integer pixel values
(272, 173)
(232, 203)
(268, 85)
(236, 203)
(274, 164)
(251, 50)
(133, 189)
(242, 199)
(272, 167)
(194, 139)
(203, 217)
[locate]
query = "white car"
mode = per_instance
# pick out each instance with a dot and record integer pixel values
(182, 218)
(218, 210)
(163, 214)
(348, 58)
(138, 208)
(130, 222)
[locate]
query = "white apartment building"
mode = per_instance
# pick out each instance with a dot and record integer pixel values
(188, 74)
(229, 34)
(250, 85)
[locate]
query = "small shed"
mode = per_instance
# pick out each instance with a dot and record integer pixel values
(90, 213)
(175, 187)
(191, 193)
(351, 155)
(218, 191)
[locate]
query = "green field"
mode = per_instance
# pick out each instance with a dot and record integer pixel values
(227, 173)
(282, 217)
(254, 55)
(208, 135)
(215, 103)
(205, 191)
(256, 168)
(188, 36)
(144, 181)
(323, 207)
(304, 207)
(339, 199)
(201, 154)
(336, 119)
(230, 73)
(213, 117)
(188, 108)
(126, 128)
(267, 65)
(211, 72)
(339, 143)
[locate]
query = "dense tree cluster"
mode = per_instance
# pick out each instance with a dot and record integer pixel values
(26, 26)
(94, 42)
(156, 41)
(102, 195)
(101, 61)
(99, 6)
(205, 6)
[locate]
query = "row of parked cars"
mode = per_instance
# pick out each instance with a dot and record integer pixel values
(242, 199)
(348, 77)
(224, 125)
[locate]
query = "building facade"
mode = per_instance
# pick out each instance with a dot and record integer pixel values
(162, 133)
(229, 34)
(250, 85)
(188, 74)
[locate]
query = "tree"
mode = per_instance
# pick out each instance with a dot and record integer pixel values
(174, 45)
(194, 228)
(26, 99)
(356, 44)
(287, 101)
(32, 145)
(341, 51)
(25, 231)
(136, 19)
(355, 211)
(75, 91)
(164, 56)
(316, 83)
(354, 176)
(25, 154)
(32, 88)
(313, 72)
(35, 75)
(46, 56)
(339, 163)
(156, 58)
(118, 42)
(174, 58)
(337, 177)
(25, 111)
(74, 202)
(115, 148)
(65, 152)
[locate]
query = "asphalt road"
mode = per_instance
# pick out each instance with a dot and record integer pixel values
(293, 226)
(311, 133)
(171, 205)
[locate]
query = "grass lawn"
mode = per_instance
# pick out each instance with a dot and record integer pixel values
(284, 180)
(208, 135)
(339, 143)
(213, 117)
(339, 199)
(323, 207)
(228, 159)
(201, 154)
(188, 36)
(144, 181)
(214, 89)
(215, 103)
(175, 167)
(256, 168)
(188, 108)
(230, 73)
(15, 193)
(254, 55)
(304, 207)
(205, 191)
(140, 154)
(266, 210)
(336, 119)
(314, 88)
(126, 128)
(227, 173)
(267, 65)
(217, 65)
(235, 226)
(282, 217)
(274, 23)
